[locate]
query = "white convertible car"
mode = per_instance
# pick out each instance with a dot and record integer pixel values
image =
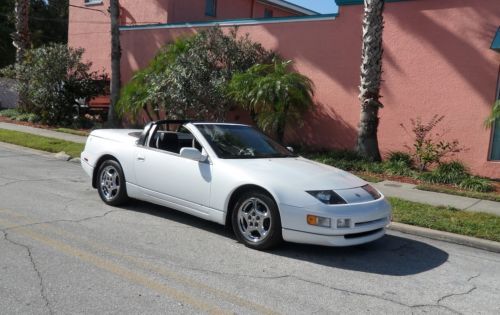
(232, 174)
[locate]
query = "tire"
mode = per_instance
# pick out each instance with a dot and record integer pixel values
(111, 183)
(256, 221)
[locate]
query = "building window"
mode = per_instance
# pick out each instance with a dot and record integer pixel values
(89, 2)
(211, 7)
(268, 13)
(495, 134)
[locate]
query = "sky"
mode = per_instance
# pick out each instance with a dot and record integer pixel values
(321, 6)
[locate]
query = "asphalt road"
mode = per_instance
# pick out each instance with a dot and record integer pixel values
(62, 251)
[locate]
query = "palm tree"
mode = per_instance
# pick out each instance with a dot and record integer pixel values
(371, 74)
(21, 38)
(114, 8)
(274, 94)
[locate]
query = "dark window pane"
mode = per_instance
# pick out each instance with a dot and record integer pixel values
(268, 13)
(211, 7)
(495, 141)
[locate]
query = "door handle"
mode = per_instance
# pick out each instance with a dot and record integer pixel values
(141, 158)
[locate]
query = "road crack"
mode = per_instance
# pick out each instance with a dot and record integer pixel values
(61, 220)
(43, 291)
(346, 291)
(474, 287)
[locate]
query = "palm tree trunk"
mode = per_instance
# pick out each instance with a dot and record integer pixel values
(116, 54)
(21, 38)
(371, 74)
(21, 41)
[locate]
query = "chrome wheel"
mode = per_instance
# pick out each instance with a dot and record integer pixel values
(254, 220)
(110, 182)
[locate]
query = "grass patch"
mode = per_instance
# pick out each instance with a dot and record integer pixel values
(475, 224)
(73, 132)
(41, 143)
(470, 194)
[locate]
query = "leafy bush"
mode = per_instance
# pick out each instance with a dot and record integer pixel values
(52, 78)
(476, 184)
(399, 168)
(189, 77)
(275, 94)
(427, 150)
(398, 156)
(29, 117)
(447, 173)
(9, 113)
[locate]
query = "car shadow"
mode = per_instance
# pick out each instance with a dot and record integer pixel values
(391, 255)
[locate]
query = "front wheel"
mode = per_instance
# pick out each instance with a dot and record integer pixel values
(111, 183)
(256, 221)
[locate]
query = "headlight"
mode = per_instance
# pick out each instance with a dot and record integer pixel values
(372, 191)
(328, 197)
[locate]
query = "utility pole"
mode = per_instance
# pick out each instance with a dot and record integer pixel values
(114, 8)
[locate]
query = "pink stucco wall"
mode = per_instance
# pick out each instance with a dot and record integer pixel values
(437, 61)
(89, 25)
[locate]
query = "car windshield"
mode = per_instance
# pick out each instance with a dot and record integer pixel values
(241, 142)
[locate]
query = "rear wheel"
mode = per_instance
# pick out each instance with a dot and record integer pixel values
(111, 183)
(256, 221)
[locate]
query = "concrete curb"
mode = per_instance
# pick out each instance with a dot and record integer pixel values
(45, 154)
(446, 237)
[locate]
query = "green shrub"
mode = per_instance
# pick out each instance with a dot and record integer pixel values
(447, 173)
(476, 184)
(29, 117)
(399, 168)
(52, 77)
(9, 113)
(427, 150)
(398, 156)
(373, 167)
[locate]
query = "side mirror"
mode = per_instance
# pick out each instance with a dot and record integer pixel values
(192, 154)
(289, 149)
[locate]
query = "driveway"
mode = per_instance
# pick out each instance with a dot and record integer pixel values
(64, 251)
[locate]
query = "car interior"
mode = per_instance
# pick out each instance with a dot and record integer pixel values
(173, 141)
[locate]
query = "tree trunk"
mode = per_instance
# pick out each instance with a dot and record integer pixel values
(21, 38)
(114, 8)
(21, 41)
(371, 74)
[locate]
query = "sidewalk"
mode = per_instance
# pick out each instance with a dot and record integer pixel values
(43, 132)
(408, 192)
(388, 188)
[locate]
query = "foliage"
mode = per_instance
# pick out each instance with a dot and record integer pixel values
(495, 115)
(14, 114)
(476, 184)
(398, 168)
(427, 150)
(53, 77)
(399, 163)
(9, 113)
(447, 173)
(274, 93)
(474, 224)
(41, 143)
(398, 156)
(48, 24)
(189, 77)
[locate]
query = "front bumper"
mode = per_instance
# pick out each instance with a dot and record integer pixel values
(368, 222)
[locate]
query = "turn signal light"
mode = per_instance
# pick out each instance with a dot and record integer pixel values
(319, 221)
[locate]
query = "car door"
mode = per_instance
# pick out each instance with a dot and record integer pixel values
(163, 175)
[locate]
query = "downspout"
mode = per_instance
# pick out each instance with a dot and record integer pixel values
(252, 9)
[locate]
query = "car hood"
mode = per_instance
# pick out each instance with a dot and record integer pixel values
(297, 172)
